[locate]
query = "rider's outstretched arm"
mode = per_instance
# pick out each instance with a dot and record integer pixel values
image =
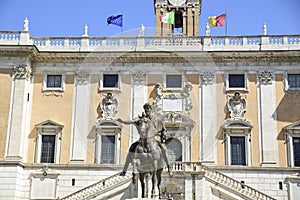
(125, 122)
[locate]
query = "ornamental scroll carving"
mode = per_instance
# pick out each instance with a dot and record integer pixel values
(179, 102)
(207, 77)
(139, 77)
(82, 78)
(109, 107)
(265, 77)
(22, 72)
(237, 107)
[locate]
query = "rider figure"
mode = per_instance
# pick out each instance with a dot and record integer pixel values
(159, 127)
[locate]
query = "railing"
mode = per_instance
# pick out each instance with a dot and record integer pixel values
(97, 188)
(221, 179)
(172, 43)
(194, 167)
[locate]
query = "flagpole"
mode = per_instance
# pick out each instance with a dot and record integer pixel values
(226, 21)
(122, 24)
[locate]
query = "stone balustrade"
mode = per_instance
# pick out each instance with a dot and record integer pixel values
(99, 187)
(141, 43)
(220, 178)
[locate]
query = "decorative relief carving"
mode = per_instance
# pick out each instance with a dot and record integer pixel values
(22, 72)
(207, 77)
(237, 107)
(82, 78)
(265, 77)
(109, 106)
(53, 93)
(174, 102)
(158, 101)
(292, 93)
(186, 96)
(139, 77)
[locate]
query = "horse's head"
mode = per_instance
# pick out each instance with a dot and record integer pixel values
(145, 127)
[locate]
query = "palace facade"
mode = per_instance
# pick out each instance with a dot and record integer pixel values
(230, 104)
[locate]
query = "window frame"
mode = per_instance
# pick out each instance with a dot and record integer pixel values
(45, 82)
(101, 82)
(104, 129)
(48, 128)
(286, 81)
(114, 149)
(243, 155)
(292, 131)
(237, 128)
(173, 88)
(228, 88)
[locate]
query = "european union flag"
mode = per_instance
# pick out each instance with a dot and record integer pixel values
(116, 20)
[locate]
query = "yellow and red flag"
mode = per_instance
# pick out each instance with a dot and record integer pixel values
(219, 20)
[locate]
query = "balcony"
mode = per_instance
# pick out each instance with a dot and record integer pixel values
(146, 43)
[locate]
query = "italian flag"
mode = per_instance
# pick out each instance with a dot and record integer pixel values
(217, 20)
(167, 18)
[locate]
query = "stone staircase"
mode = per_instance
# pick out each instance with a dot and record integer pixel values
(221, 183)
(231, 185)
(103, 189)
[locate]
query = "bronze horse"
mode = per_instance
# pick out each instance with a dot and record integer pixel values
(147, 157)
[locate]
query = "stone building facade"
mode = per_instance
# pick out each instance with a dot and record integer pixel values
(230, 104)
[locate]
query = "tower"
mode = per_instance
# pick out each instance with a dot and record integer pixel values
(186, 14)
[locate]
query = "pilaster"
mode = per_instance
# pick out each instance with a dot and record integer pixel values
(207, 117)
(267, 118)
(18, 115)
(80, 126)
(139, 98)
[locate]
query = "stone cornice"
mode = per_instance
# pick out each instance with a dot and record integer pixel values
(236, 58)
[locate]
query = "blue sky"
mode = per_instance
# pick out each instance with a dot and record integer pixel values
(68, 17)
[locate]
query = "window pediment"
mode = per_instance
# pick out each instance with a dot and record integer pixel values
(237, 124)
(237, 127)
(293, 128)
(49, 123)
(108, 123)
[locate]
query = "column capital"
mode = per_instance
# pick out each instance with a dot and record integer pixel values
(207, 77)
(22, 71)
(265, 77)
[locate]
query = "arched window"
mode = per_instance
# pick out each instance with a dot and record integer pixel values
(174, 148)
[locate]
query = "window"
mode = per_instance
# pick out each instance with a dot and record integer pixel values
(296, 146)
(237, 142)
(174, 81)
(292, 132)
(174, 149)
(237, 150)
(236, 81)
(107, 146)
(294, 81)
(109, 82)
(54, 81)
(108, 149)
(48, 148)
(48, 142)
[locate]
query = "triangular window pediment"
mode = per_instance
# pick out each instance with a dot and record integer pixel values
(108, 123)
(49, 123)
(236, 124)
(293, 126)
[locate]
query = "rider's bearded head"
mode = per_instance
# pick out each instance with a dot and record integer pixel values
(147, 107)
